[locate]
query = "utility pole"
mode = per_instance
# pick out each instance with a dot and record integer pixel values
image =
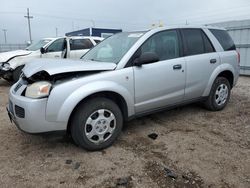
(56, 31)
(93, 22)
(28, 18)
(5, 37)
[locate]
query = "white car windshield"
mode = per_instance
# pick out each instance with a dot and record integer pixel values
(113, 48)
(38, 45)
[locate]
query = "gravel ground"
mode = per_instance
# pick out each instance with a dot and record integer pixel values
(194, 148)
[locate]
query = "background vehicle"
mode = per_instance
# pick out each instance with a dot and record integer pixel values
(126, 76)
(11, 63)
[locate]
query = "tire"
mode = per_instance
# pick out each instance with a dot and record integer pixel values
(219, 94)
(17, 72)
(96, 124)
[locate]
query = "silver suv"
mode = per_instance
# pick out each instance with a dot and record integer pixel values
(127, 75)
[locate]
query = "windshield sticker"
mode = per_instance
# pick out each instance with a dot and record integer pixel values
(135, 35)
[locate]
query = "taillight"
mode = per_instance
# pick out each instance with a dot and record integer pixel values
(238, 54)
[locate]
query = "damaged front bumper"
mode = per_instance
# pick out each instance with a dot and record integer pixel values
(29, 115)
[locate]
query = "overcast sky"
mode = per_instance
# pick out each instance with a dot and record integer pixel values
(127, 15)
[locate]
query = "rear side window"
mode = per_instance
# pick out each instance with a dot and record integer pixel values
(207, 44)
(193, 40)
(80, 44)
(196, 42)
(224, 38)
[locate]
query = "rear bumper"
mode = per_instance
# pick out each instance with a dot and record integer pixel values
(29, 115)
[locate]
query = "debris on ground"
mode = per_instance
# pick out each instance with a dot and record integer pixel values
(124, 181)
(170, 173)
(153, 136)
(77, 165)
(68, 161)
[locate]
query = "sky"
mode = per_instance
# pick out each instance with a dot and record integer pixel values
(128, 15)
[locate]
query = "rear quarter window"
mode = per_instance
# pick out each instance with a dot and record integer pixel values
(224, 39)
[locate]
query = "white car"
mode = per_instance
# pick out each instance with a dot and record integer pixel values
(11, 63)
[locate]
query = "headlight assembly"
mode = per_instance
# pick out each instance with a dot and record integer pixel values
(38, 90)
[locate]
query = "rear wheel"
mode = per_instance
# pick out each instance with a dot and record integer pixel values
(219, 94)
(96, 124)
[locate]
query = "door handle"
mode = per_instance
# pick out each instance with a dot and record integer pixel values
(176, 67)
(57, 56)
(213, 61)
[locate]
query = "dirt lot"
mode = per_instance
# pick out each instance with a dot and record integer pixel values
(196, 147)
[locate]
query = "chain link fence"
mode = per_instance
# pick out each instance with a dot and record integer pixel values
(10, 47)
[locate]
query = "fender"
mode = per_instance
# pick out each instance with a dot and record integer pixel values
(216, 72)
(22, 59)
(17, 56)
(63, 111)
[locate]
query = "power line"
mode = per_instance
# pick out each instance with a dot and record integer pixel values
(28, 18)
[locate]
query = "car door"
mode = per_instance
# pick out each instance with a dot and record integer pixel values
(201, 60)
(161, 83)
(78, 47)
(55, 49)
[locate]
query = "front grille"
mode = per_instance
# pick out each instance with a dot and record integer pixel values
(19, 112)
(18, 86)
(11, 107)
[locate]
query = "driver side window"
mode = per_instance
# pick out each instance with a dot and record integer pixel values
(57, 46)
(165, 44)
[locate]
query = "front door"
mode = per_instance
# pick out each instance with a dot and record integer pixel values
(161, 83)
(55, 49)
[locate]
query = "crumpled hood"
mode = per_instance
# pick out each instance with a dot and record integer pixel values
(57, 66)
(5, 56)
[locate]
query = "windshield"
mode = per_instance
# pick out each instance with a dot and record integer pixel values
(113, 48)
(38, 45)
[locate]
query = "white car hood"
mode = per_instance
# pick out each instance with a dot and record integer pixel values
(5, 56)
(57, 66)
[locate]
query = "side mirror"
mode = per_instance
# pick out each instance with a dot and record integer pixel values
(42, 50)
(146, 58)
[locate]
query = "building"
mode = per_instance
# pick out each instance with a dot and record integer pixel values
(97, 32)
(240, 32)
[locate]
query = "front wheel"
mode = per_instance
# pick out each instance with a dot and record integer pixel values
(96, 124)
(219, 94)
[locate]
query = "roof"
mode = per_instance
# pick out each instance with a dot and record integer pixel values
(180, 27)
(74, 37)
(85, 37)
(188, 26)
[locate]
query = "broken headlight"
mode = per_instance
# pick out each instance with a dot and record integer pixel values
(38, 90)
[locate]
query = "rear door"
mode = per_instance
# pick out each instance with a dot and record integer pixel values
(78, 47)
(161, 83)
(201, 60)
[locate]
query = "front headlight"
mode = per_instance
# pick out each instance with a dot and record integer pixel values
(38, 90)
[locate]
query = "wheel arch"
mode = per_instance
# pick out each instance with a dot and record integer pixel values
(228, 75)
(226, 71)
(114, 96)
